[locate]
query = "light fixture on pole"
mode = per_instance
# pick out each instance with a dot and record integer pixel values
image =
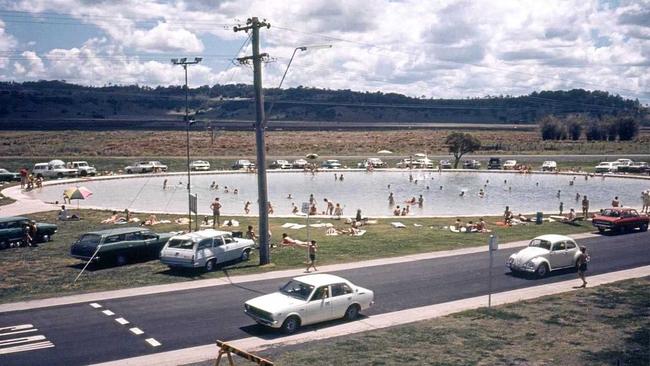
(184, 62)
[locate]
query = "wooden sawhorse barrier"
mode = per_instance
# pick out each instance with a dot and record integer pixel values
(228, 350)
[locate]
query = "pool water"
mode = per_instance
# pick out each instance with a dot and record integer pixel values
(446, 193)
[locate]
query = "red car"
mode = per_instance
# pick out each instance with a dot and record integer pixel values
(620, 220)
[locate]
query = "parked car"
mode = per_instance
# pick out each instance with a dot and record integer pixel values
(280, 164)
(405, 163)
(605, 167)
(205, 249)
(331, 164)
(444, 164)
(200, 165)
(12, 231)
(53, 169)
(119, 246)
(83, 168)
(7, 176)
(494, 163)
(639, 167)
(471, 164)
(544, 254)
(243, 164)
(510, 165)
(374, 162)
(299, 164)
(139, 167)
(549, 166)
(422, 161)
(307, 300)
(620, 220)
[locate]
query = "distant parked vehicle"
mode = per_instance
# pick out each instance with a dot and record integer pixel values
(119, 246)
(374, 162)
(331, 164)
(7, 176)
(471, 164)
(444, 164)
(623, 165)
(12, 231)
(549, 166)
(494, 163)
(83, 168)
(243, 164)
(299, 164)
(606, 167)
(139, 167)
(639, 167)
(205, 249)
(544, 254)
(158, 166)
(405, 163)
(422, 161)
(510, 165)
(200, 165)
(280, 164)
(53, 169)
(307, 300)
(620, 220)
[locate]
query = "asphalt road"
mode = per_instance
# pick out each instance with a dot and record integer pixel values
(81, 334)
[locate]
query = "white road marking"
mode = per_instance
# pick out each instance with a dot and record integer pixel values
(136, 331)
(108, 313)
(95, 305)
(153, 342)
(27, 347)
(17, 329)
(8, 342)
(122, 321)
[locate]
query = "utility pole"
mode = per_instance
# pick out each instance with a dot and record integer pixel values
(253, 24)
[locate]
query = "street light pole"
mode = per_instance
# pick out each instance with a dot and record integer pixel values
(184, 62)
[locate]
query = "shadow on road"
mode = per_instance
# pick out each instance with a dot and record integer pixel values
(267, 333)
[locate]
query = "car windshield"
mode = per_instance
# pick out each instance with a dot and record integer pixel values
(544, 244)
(181, 243)
(90, 239)
(611, 213)
(297, 289)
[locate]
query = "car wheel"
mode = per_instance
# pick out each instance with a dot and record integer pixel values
(129, 171)
(59, 175)
(542, 270)
(352, 312)
(45, 238)
(120, 260)
(4, 245)
(83, 173)
(290, 325)
(601, 230)
(246, 255)
(209, 265)
(643, 227)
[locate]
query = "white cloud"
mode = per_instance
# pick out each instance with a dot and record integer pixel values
(7, 43)
(445, 48)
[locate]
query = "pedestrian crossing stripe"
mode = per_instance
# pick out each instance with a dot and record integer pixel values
(23, 342)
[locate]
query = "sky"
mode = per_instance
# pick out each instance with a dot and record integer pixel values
(431, 49)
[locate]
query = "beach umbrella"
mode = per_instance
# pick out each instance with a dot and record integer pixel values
(312, 156)
(77, 193)
(384, 152)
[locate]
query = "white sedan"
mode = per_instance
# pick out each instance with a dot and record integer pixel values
(544, 254)
(200, 165)
(307, 300)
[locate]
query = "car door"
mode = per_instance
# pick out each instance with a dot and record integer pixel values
(231, 248)
(204, 251)
(132, 244)
(219, 249)
(319, 307)
(559, 255)
(342, 296)
(151, 244)
(15, 230)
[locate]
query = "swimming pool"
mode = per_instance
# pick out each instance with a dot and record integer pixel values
(367, 191)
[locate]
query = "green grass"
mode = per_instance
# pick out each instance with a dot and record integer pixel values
(607, 325)
(48, 270)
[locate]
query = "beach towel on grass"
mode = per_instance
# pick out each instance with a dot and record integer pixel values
(288, 225)
(297, 226)
(359, 233)
(397, 225)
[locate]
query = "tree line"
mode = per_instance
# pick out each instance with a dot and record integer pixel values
(575, 126)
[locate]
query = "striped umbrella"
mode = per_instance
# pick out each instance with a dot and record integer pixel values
(77, 193)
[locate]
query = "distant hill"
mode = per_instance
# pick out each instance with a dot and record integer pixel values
(57, 104)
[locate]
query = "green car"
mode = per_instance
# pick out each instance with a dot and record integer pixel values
(12, 231)
(119, 246)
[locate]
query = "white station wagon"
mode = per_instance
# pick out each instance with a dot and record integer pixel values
(544, 254)
(205, 249)
(307, 300)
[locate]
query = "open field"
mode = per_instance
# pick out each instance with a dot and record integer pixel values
(48, 270)
(91, 144)
(607, 325)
